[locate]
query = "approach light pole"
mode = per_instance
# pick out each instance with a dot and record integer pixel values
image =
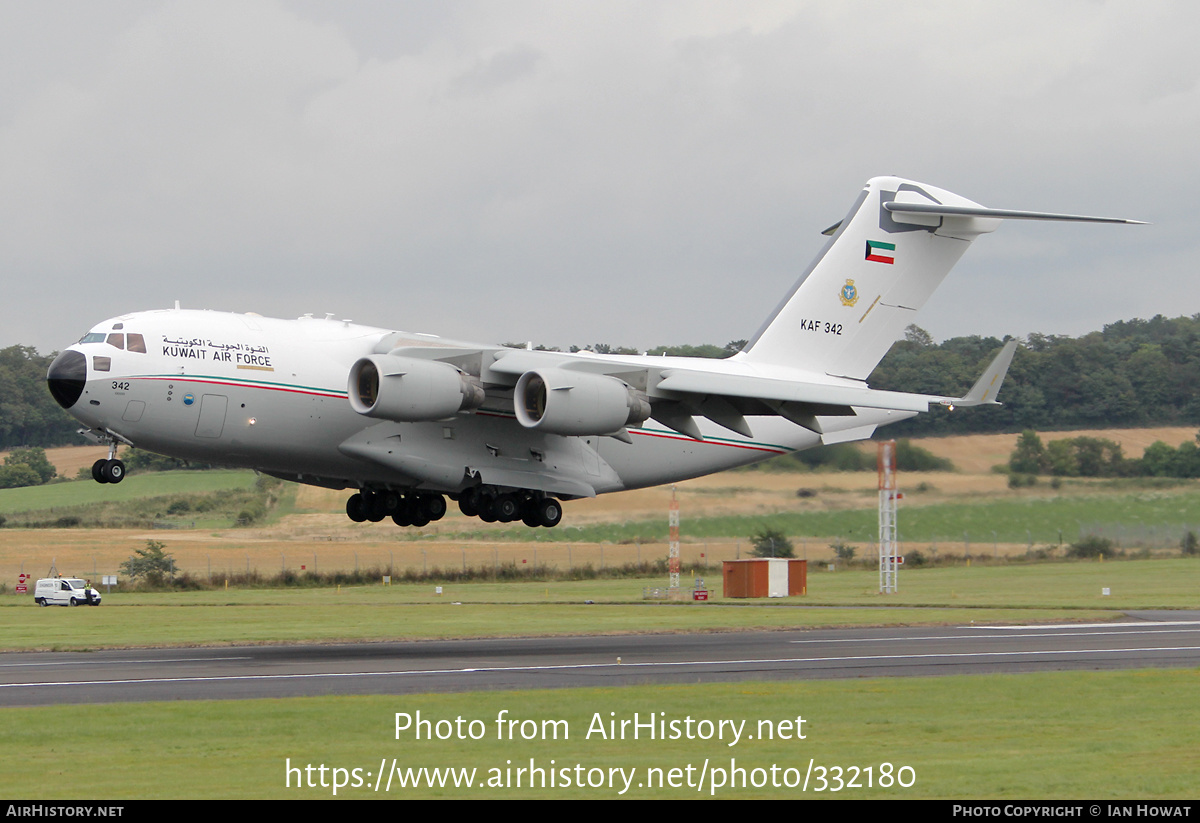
(889, 547)
(673, 546)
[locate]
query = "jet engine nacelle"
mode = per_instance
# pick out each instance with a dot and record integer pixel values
(408, 390)
(558, 401)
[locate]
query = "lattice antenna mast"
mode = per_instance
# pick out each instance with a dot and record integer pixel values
(889, 547)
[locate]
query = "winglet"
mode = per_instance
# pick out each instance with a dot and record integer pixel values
(984, 392)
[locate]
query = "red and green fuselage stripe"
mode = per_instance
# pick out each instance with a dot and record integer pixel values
(217, 380)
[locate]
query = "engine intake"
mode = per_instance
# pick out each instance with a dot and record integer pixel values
(565, 402)
(408, 390)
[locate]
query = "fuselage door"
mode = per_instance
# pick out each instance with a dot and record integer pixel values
(212, 415)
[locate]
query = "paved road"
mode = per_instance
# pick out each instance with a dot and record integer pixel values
(1143, 639)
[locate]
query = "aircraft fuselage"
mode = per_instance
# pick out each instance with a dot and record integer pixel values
(270, 394)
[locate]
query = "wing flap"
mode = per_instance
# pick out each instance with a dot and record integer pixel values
(786, 391)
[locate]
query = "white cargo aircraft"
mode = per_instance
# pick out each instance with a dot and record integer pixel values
(409, 419)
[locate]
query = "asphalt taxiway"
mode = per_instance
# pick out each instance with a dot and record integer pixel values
(1140, 640)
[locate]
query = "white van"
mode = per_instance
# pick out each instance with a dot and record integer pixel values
(64, 591)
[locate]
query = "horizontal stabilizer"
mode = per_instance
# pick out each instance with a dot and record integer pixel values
(937, 209)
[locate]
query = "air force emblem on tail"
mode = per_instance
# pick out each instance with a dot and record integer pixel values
(848, 294)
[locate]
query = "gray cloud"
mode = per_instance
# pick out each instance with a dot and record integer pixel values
(628, 172)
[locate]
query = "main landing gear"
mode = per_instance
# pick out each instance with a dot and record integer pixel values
(409, 510)
(531, 508)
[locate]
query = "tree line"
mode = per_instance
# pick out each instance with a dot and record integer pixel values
(1132, 373)
(1097, 457)
(28, 414)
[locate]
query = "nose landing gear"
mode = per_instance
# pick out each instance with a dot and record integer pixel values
(108, 471)
(111, 470)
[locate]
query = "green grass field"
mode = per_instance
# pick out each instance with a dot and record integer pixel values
(135, 487)
(1039, 592)
(64, 629)
(1093, 735)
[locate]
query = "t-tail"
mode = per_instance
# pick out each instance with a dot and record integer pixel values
(883, 261)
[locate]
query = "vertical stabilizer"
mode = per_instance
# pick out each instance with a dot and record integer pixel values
(867, 284)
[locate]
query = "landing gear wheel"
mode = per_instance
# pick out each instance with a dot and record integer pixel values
(468, 502)
(507, 508)
(388, 503)
(108, 471)
(487, 510)
(403, 514)
(356, 508)
(433, 506)
(549, 512)
(376, 505)
(113, 471)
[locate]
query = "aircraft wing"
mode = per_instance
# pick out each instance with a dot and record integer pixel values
(803, 403)
(678, 392)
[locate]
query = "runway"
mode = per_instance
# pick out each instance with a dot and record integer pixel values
(1142, 639)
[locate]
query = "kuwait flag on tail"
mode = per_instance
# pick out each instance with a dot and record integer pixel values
(881, 252)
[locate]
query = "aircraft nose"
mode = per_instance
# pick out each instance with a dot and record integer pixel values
(66, 377)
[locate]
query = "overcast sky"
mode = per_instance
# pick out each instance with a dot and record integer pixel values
(636, 173)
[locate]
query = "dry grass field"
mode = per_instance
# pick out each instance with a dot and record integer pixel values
(318, 535)
(70, 459)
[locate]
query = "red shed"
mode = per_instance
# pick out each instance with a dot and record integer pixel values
(765, 577)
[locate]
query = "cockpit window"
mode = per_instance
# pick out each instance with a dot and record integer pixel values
(101, 363)
(134, 343)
